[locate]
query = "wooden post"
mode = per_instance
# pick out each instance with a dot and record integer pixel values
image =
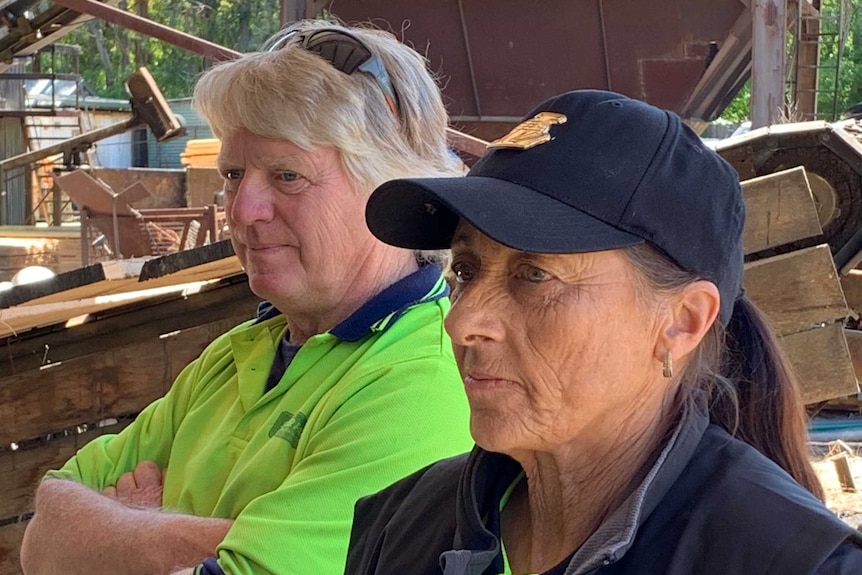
(807, 60)
(767, 66)
(293, 10)
(57, 205)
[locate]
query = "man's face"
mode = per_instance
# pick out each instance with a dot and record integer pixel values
(296, 220)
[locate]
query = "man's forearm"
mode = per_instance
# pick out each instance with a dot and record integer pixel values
(77, 530)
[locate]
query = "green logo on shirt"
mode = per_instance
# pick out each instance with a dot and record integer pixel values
(289, 427)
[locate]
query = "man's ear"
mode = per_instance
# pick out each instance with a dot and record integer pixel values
(691, 315)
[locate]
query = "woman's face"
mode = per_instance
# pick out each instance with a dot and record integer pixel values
(551, 347)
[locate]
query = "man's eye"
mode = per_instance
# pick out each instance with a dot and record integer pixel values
(287, 176)
(232, 174)
(534, 274)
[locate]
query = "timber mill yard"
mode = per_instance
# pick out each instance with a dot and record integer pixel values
(141, 275)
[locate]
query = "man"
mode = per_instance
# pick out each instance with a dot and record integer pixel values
(345, 382)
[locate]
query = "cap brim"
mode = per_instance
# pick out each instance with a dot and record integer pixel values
(423, 214)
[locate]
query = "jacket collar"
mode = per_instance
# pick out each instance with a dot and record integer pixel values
(486, 475)
(377, 314)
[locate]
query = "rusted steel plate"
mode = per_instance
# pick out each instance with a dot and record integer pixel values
(501, 57)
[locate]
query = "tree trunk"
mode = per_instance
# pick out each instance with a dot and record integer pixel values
(103, 52)
(122, 36)
(140, 42)
(244, 22)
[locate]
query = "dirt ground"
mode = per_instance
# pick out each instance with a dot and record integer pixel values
(848, 506)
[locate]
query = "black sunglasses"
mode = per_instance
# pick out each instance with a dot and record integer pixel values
(346, 53)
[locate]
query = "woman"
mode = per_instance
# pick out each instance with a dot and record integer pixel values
(345, 382)
(631, 410)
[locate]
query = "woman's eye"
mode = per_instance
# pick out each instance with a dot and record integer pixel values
(232, 174)
(534, 274)
(462, 272)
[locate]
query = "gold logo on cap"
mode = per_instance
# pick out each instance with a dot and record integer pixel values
(530, 133)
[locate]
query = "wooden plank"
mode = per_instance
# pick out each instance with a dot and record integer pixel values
(852, 286)
(845, 474)
(42, 290)
(127, 324)
(798, 291)
(206, 271)
(21, 318)
(779, 209)
(178, 262)
(822, 361)
(92, 388)
(124, 276)
(10, 546)
(21, 470)
(854, 345)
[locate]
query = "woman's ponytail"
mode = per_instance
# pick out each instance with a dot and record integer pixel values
(764, 407)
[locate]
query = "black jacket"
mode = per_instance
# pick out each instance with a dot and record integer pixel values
(710, 505)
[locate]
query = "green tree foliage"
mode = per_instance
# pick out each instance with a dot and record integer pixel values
(110, 53)
(850, 66)
(739, 108)
(841, 29)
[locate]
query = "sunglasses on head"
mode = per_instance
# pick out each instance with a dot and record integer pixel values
(346, 53)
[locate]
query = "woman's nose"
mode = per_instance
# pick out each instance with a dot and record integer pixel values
(476, 317)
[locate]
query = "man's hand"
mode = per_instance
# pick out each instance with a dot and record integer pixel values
(141, 488)
(78, 530)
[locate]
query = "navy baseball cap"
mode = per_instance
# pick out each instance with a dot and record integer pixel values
(585, 171)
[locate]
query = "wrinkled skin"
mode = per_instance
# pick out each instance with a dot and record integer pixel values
(297, 225)
(551, 347)
(561, 356)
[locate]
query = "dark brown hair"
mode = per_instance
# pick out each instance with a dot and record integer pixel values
(751, 388)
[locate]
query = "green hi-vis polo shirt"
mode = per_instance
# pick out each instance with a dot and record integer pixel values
(370, 401)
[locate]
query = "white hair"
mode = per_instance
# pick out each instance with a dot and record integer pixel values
(296, 95)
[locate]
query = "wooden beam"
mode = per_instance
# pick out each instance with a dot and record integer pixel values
(822, 361)
(767, 61)
(21, 470)
(126, 325)
(797, 291)
(22, 318)
(779, 209)
(854, 345)
(203, 263)
(852, 286)
(92, 388)
(730, 67)
(845, 473)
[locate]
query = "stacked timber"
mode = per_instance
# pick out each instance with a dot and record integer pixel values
(831, 155)
(66, 378)
(799, 291)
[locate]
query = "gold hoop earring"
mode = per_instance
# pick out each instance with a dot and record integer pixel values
(667, 365)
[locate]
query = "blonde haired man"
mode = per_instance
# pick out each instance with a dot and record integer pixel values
(345, 383)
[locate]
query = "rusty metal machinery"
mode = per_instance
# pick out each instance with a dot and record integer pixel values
(32, 25)
(832, 157)
(149, 108)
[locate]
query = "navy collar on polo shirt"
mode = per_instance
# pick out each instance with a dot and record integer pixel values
(423, 285)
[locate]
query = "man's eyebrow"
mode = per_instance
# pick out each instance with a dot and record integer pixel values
(269, 161)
